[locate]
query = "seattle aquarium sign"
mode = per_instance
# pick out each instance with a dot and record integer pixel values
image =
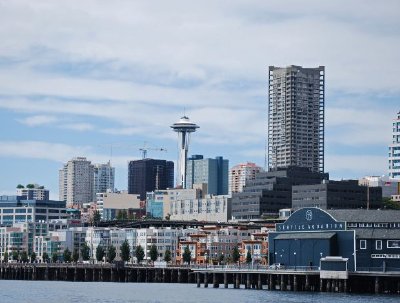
(310, 219)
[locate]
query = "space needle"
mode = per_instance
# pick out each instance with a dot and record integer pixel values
(183, 127)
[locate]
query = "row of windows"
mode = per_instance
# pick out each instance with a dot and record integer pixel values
(378, 244)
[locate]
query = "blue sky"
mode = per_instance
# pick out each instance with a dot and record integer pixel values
(79, 76)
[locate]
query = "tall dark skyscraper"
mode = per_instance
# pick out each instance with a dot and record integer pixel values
(296, 117)
(147, 175)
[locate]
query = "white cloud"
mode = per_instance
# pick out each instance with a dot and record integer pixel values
(38, 120)
(78, 126)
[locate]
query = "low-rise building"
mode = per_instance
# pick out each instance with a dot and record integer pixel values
(209, 209)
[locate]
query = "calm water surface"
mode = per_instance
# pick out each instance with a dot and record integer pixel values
(62, 292)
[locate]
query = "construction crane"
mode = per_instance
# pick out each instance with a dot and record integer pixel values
(145, 149)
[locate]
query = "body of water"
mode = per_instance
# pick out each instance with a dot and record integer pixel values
(66, 292)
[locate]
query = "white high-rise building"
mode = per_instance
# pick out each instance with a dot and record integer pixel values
(104, 176)
(296, 117)
(394, 150)
(76, 181)
(239, 174)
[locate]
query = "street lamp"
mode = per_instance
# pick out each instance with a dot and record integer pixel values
(206, 255)
(295, 261)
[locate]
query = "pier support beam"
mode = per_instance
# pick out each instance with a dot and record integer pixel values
(215, 280)
(377, 285)
(259, 282)
(248, 281)
(205, 279)
(225, 280)
(282, 283)
(237, 280)
(295, 288)
(198, 279)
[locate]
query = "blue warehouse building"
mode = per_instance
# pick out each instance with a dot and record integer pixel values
(368, 240)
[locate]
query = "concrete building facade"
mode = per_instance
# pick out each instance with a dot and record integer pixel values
(76, 181)
(271, 191)
(345, 194)
(35, 193)
(296, 117)
(394, 150)
(239, 174)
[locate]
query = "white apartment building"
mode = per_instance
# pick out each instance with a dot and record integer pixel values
(164, 239)
(104, 178)
(35, 193)
(394, 150)
(239, 174)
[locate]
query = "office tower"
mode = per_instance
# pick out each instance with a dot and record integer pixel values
(104, 176)
(147, 175)
(184, 128)
(394, 150)
(76, 181)
(239, 174)
(296, 117)
(213, 172)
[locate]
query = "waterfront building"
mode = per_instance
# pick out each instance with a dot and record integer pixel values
(147, 175)
(33, 192)
(271, 191)
(394, 150)
(121, 205)
(209, 208)
(239, 174)
(103, 179)
(212, 172)
(296, 117)
(345, 194)
(164, 238)
(15, 209)
(76, 180)
(361, 238)
(257, 247)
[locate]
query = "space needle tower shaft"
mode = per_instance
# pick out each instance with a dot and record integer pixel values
(183, 127)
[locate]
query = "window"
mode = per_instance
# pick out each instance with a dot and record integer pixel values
(378, 244)
(393, 243)
(363, 244)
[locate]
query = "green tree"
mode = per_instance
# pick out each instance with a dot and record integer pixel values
(99, 253)
(30, 186)
(125, 251)
(221, 258)
(187, 255)
(96, 218)
(54, 257)
(67, 255)
(5, 257)
(45, 257)
(139, 253)
(388, 203)
(167, 256)
(15, 255)
(75, 255)
(24, 257)
(122, 215)
(168, 217)
(85, 252)
(33, 257)
(111, 253)
(235, 254)
(153, 253)
(248, 257)
(19, 186)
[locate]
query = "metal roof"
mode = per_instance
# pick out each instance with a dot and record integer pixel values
(364, 215)
(307, 235)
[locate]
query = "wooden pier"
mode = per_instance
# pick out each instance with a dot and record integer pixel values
(272, 280)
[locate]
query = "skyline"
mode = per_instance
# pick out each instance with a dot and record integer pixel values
(76, 77)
